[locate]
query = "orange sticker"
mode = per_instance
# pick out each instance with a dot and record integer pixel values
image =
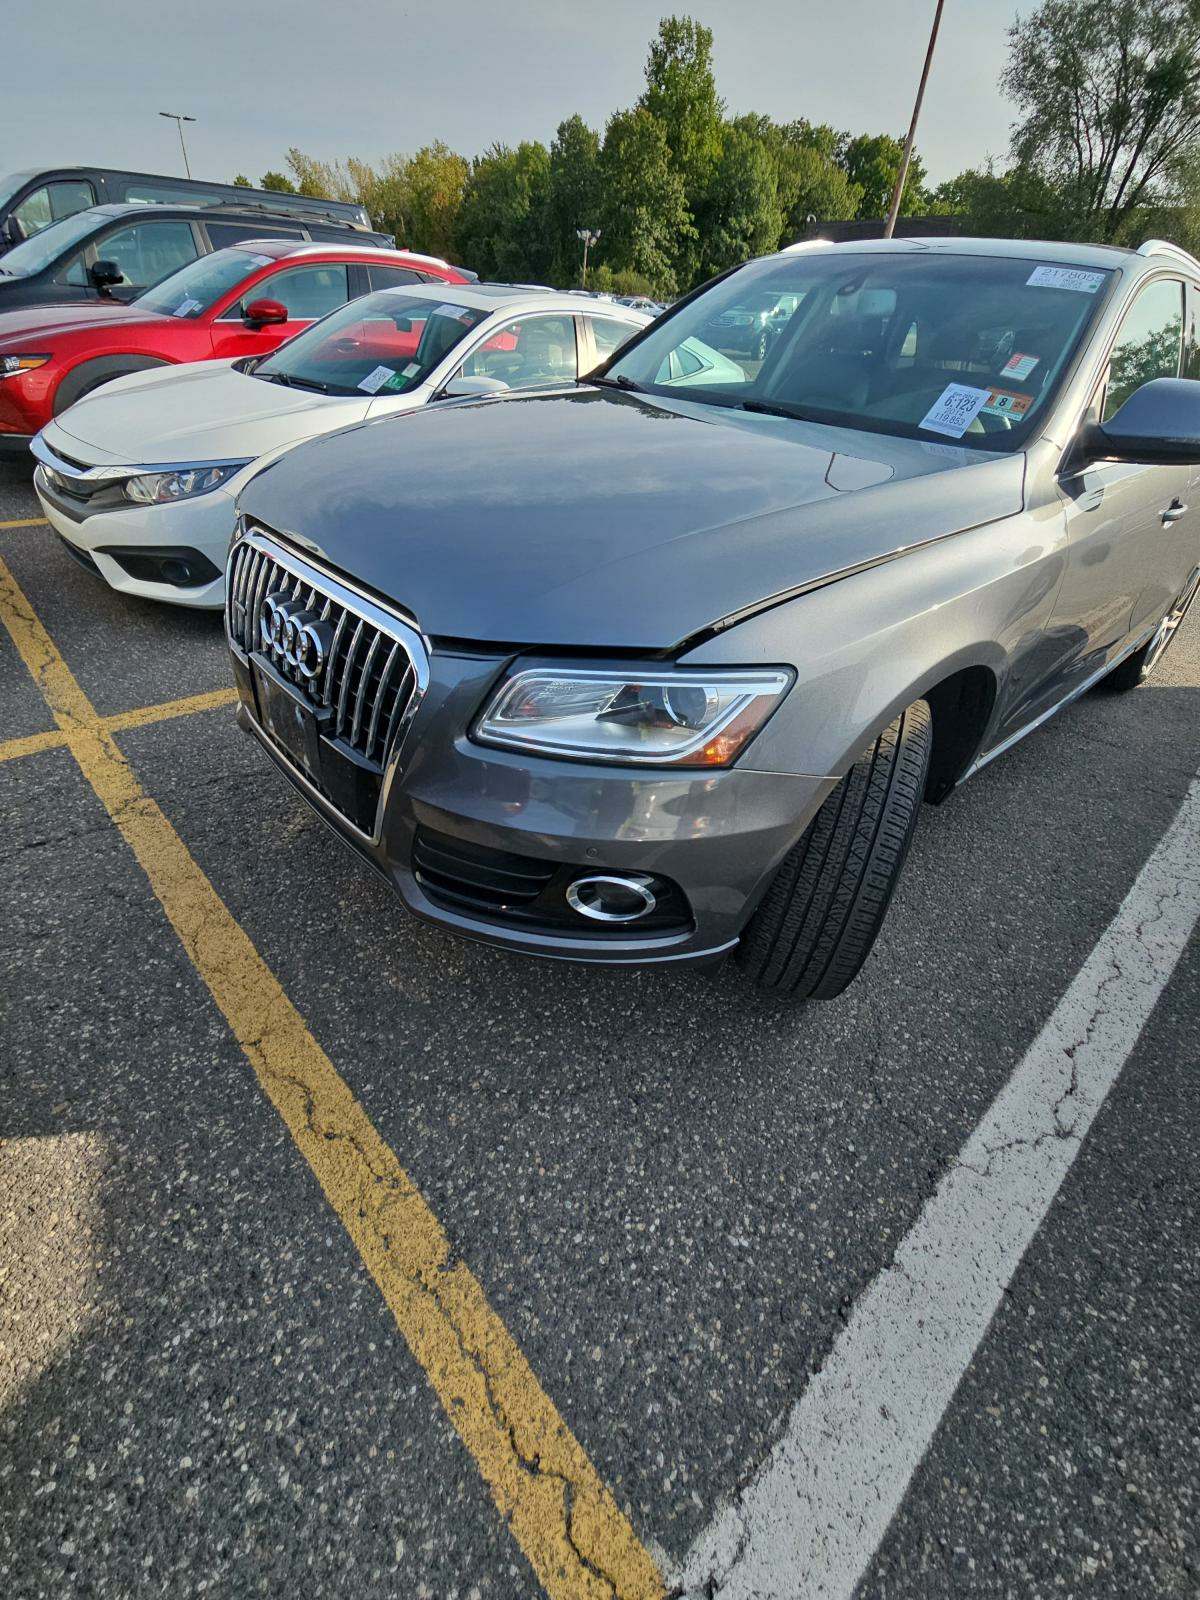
(1006, 403)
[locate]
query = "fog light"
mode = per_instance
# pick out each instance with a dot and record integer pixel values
(605, 897)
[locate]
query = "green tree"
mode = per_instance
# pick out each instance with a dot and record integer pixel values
(1017, 204)
(872, 161)
(739, 215)
(279, 181)
(573, 200)
(681, 91)
(241, 181)
(432, 183)
(1109, 98)
(808, 178)
(646, 223)
(498, 231)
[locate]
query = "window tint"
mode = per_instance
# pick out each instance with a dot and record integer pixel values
(51, 203)
(307, 292)
(146, 252)
(224, 233)
(610, 334)
(530, 351)
(1148, 343)
(392, 277)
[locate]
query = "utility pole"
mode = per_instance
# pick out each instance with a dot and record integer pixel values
(589, 236)
(179, 121)
(889, 227)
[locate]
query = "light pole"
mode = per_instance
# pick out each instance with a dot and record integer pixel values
(589, 236)
(179, 121)
(889, 226)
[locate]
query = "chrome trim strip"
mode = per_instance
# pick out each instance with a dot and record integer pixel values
(102, 473)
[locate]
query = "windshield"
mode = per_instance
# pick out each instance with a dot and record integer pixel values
(924, 344)
(48, 244)
(385, 343)
(194, 288)
(10, 185)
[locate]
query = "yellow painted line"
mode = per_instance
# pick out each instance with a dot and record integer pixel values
(188, 706)
(574, 1535)
(33, 743)
(26, 522)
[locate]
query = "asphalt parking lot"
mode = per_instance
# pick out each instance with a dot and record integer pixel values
(341, 1258)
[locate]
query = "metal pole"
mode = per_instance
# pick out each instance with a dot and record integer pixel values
(889, 226)
(587, 239)
(179, 121)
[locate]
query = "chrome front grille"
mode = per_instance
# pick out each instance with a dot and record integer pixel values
(374, 666)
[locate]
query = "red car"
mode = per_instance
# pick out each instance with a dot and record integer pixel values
(243, 301)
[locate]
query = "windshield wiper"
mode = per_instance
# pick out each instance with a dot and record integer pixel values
(619, 382)
(291, 382)
(766, 409)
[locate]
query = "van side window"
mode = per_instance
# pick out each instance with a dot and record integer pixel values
(51, 203)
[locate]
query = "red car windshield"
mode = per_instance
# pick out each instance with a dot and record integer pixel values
(386, 343)
(194, 289)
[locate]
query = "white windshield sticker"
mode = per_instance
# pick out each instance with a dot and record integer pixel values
(955, 409)
(186, 307)
(1018, 366)
(450, 311)
(374, 381)
(261, 261)
(412, 369)
(1064, 278)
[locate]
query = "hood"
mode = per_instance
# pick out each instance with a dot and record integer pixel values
(589, 517)
(204, 411)
(53, 322)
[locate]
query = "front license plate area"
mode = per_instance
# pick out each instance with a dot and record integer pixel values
(291, 723)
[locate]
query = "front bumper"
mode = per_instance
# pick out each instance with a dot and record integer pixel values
(718, 836)
(204, 524)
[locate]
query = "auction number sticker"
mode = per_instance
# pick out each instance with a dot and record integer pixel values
(374, 381)
(1065, 278)
(955, 409)
(1007, 403)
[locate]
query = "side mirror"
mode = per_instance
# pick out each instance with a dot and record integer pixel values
(1159, 425)
(104, 274)
(259, 313)
(403, 324)
(459, 388)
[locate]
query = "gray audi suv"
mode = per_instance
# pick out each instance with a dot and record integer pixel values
(659, 665)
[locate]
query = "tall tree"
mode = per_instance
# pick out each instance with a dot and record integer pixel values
(809, 182)
(681, 91)
(739, 215)
(1109, 99)
(498, 230)
(646, 218)
(574, 195)
(872, 161)
(432, 183)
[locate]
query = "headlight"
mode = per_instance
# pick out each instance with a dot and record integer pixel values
(688, 718)
(11, 365)
(160, 488)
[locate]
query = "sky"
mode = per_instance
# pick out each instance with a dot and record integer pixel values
(84, 82)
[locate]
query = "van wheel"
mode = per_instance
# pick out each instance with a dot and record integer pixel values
(826, 904)
(1138, 668)
(90, 375)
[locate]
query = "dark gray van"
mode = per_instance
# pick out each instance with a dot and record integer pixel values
(31, 201)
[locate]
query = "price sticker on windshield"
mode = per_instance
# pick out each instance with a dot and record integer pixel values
(1065, 278)
(186, 307)
(955, 409)
(457, 312)
(374, 381)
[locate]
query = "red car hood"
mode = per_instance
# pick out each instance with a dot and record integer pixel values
(52, 322)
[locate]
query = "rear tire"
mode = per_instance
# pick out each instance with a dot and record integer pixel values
(1131, 674)
(826, 905)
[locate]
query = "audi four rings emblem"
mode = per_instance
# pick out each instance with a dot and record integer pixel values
(293, 635)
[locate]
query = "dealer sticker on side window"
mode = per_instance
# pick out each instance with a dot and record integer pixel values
(1065, 278)
(374, 381)
(955, 409)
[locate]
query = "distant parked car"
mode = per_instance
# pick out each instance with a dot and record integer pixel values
(140, 479)
(749, 327)
(32, 200)
(237, 302)
(114, 253)
(641, 302)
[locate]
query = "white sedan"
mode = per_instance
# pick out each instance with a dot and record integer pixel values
(140, 478)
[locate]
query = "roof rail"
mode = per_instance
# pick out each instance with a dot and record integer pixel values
(1164, 247)
(263, 209)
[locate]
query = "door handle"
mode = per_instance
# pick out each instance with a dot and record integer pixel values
(1172, 513)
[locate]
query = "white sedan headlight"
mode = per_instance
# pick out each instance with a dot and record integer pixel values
(689, 718)
(161, 488)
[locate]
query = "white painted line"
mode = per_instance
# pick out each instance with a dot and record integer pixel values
(814, 1516)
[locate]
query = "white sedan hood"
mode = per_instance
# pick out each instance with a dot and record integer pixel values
(206, 411)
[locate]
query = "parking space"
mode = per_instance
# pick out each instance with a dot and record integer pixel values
(231, 1370)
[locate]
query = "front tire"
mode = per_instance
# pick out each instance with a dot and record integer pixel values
(826, 905)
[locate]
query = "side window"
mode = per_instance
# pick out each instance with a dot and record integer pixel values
(146, 252)
(51, 203)
(223, 234)
(1148, 344)
(391, 277)
(307, 292)
(529, 351)
(610, 335)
